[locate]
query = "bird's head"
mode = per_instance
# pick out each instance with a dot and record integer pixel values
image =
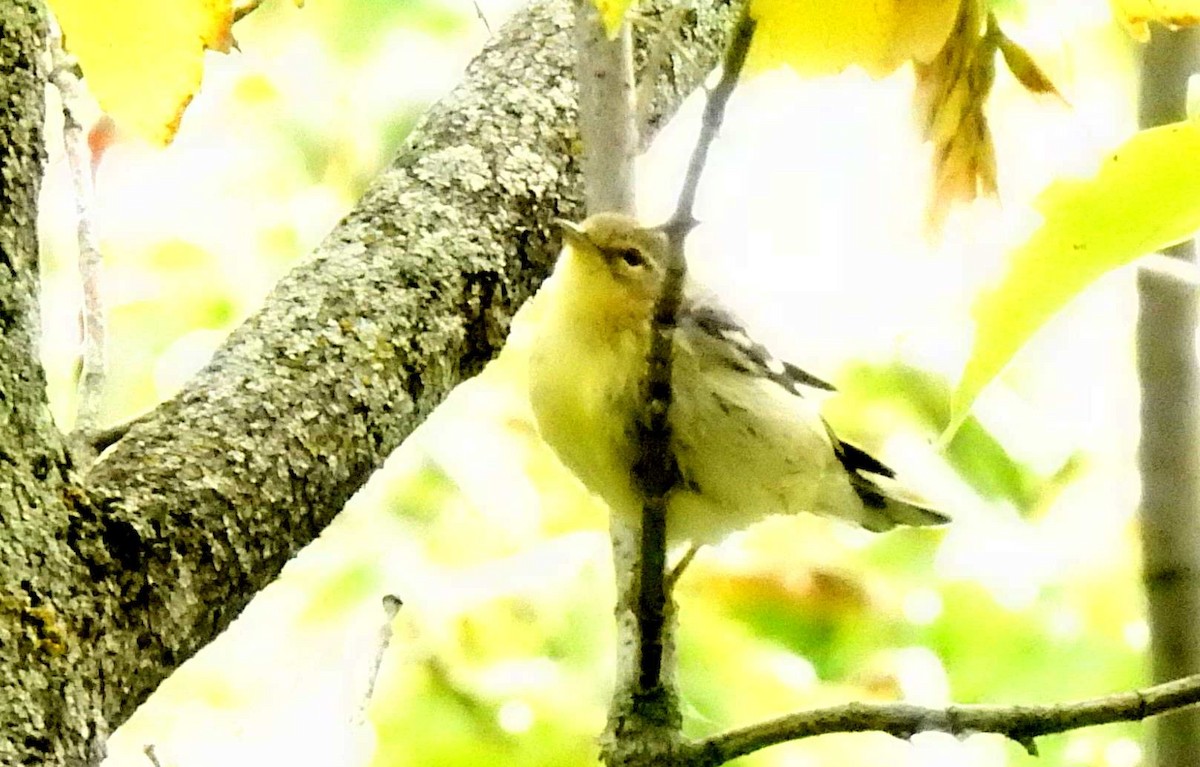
(614, 248)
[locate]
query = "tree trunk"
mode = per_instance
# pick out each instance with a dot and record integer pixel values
(1170, 439)
(47, 669)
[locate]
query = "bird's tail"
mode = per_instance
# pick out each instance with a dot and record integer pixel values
(886, 502)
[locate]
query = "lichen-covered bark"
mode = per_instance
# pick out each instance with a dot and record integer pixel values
(200, 505)
(48, 703)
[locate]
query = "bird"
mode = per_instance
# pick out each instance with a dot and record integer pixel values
(746, 432)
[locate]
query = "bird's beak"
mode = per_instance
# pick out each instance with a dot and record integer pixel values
(573, 234)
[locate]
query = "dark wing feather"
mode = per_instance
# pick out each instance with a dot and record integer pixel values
(876, 485)
(855, 459)
(745, 354)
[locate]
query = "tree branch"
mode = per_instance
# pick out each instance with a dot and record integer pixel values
(607, 114)
(1021, 724)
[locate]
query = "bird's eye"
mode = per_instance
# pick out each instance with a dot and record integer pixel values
(632, 257)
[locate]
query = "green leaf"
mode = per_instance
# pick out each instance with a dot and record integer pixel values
(1145, 197)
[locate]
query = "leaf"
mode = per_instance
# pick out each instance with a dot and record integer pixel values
(612, 13)
(819, 37)
(1136, 15)
(952, 90)
(143, 59)
(1143, 199)
(1024, 68)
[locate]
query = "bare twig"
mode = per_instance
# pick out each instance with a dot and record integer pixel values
(391, 606)
(151, 755)
(67, 78)
(1021, 724)
(645, 721)
(714, 115)
(482, 17)
(608, 130)
(679, 567)
(656, 470)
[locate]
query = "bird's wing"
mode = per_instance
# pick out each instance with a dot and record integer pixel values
(776, 437)
(743, 353)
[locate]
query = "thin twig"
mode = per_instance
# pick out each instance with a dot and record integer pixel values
(483, 18)
(151, 755)
(608, 132)
(655, 469)
(67, 78)
(679, 567)
(1021, 724)
(714, 115)
(391, 606)
(1169, 444)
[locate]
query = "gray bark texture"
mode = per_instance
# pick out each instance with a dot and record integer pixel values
(112, 581)
(46, 664)
(1169, 454)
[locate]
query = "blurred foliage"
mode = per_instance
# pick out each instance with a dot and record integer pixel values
(364, 24)
(291, 129)
(901, 395)
(1141, 199)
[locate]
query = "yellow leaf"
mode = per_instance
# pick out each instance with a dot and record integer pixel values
(1144, 198)
(143, 59)
(821, 37)
(612, 13)
(920, 28)
(1136, 15)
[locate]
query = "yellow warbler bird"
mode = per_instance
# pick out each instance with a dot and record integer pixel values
(746, 433)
